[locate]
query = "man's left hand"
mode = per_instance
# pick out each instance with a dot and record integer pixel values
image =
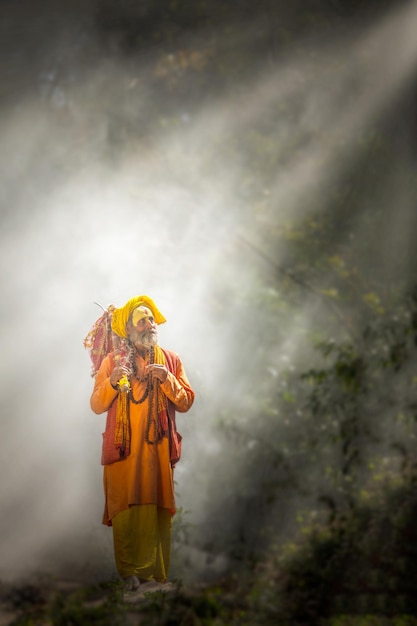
(157, 371)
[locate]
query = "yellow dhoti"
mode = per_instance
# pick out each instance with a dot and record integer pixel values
(142, 542)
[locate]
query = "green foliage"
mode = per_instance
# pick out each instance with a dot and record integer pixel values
(361, 564)
(320, 452)
(44, 603)
(99, 605)
(104, 605)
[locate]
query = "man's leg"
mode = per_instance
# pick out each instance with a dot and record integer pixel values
(163, 556)
(142, 542)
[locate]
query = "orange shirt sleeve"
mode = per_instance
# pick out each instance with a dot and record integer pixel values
(103, 393)
(177, 388)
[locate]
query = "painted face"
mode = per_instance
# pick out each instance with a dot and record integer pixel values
(142, 329)
(142, 317)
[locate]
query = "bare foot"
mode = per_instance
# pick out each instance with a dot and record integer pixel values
(131, 583)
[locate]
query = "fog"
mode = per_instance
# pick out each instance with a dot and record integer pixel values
(98, 207)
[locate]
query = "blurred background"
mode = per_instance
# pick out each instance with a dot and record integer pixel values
(251, 167)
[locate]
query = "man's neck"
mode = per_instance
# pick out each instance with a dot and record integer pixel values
(142, 350)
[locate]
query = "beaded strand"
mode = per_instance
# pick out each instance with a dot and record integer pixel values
(141, 380)
(152, 391)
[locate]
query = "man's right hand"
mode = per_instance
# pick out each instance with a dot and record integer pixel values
(117, 374)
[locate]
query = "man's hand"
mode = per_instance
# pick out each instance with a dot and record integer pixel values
(157, 371)
(117, 374)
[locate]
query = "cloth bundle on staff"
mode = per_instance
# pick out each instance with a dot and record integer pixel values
(101, 341)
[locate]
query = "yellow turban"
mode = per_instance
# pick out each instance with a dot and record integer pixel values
(121, 316)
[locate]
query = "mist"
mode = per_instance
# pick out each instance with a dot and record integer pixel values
(110, 192)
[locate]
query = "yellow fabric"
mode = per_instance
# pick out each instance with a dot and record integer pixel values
(139, 313)
(122, 431)
(121, 316)
(142, 542)
(160, 404)
(159, 356)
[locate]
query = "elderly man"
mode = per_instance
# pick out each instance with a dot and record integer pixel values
(140, 386)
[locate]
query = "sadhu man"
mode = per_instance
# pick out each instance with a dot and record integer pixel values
(141, 386)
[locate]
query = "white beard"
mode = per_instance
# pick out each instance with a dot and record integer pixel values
(147, 338)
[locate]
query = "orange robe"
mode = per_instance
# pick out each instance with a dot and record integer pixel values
(145, 476)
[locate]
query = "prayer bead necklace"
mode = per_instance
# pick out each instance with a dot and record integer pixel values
(151, 390)
(141, 380)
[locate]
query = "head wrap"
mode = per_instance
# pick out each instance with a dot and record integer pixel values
(139, 313)
(121, 316)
